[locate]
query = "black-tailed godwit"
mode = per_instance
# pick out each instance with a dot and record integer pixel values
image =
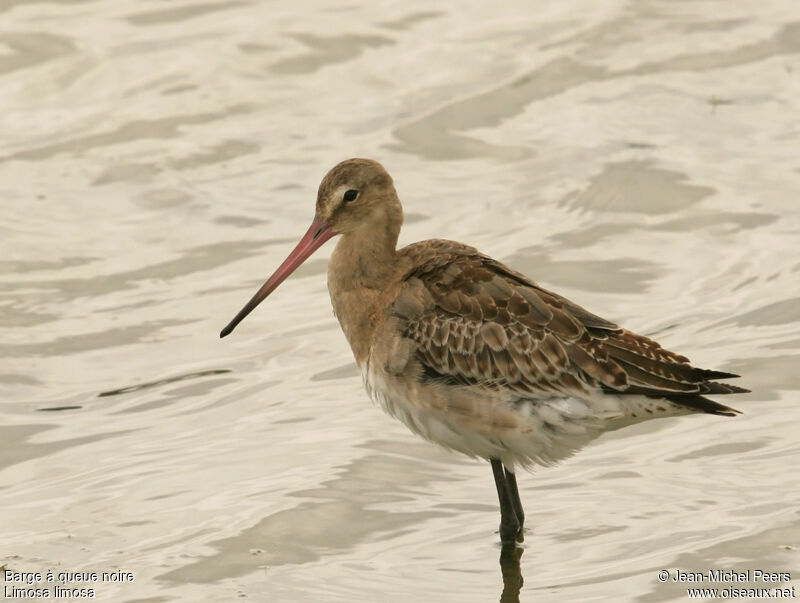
(475, 356)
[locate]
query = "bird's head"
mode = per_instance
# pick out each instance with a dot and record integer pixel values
(354, 194)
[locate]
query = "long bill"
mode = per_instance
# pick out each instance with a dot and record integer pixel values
(317, 234)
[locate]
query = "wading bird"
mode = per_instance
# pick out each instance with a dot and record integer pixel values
(475, 356)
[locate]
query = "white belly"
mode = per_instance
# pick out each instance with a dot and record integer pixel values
(493, 425)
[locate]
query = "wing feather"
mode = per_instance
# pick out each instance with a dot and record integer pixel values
(477, 322)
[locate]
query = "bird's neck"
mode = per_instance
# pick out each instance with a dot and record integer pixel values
(362, 273)
(363, 262)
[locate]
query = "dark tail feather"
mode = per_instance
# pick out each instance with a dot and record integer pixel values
(710, 374)
(707, 387)
(702, 404)
(712, 387)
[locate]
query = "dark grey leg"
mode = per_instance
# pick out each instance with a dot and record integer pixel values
(509, 524)
(513, 492)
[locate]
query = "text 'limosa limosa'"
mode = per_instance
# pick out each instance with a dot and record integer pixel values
(477, 357)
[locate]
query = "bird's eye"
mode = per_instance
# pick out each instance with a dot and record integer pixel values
(350, 195)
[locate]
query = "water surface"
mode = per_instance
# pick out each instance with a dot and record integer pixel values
(158, 160)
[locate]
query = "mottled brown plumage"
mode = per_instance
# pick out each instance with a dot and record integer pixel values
(477, 322)
(474, 356)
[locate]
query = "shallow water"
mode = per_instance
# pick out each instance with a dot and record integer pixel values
(158, 160)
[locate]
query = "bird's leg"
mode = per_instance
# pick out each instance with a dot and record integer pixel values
(516, 503)
(509, 524)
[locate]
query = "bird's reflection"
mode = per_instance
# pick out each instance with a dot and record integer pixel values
(510, 555)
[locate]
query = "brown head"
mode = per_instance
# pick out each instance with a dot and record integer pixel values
(355, 194)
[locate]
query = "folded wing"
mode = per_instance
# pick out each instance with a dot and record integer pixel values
(476, 322)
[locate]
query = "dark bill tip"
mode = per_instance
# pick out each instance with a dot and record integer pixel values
(317, 234)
